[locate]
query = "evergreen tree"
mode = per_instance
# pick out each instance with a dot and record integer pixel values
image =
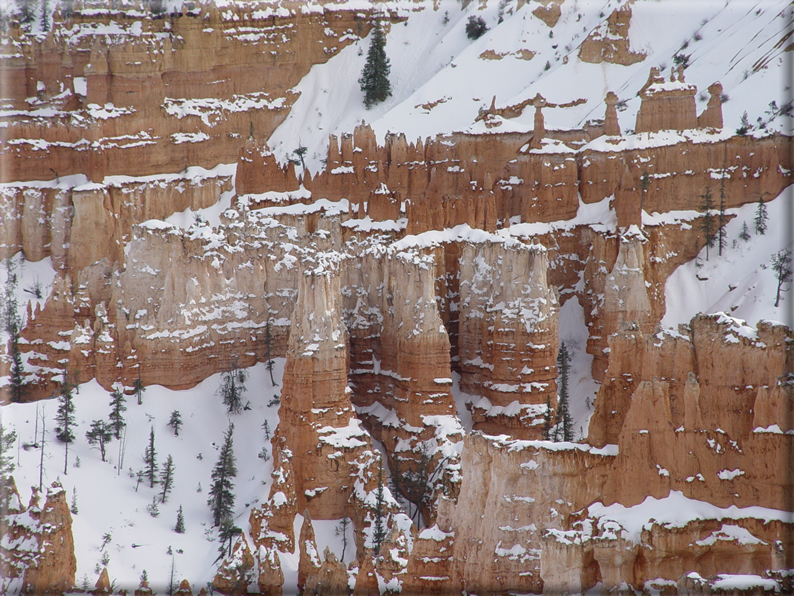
(180, 522)
(117, 409)
(137, 386)
(175, 422)
(547, 419)
(707, 221)
(744, 235)
(167, 478)
(341, 531)
(563, 367)
(781, 265)
(99, 435)
(65, 417)
(226, 534)
(475, 27)
(761, 217)
(153, 508)
(374, 80)
(379, 526)
(45, 15)
(7, 440)
(232, 389)
(722, 239)
(221, 495)
(27, 11)
(13, 326)
(73, 508)
(745, 126)
(150, 461)
(268, 346)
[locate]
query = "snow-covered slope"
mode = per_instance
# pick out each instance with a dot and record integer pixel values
(440, 78)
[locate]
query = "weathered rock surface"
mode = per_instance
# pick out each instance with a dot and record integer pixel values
(609, 42)
(36, 543)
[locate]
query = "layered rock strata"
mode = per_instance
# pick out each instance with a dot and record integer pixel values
(507, 337)
(36, 542)
(149, 94)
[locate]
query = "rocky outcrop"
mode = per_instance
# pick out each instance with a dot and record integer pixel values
(666, 105)
(609, 42)
(36, 543)
(317, 422)
(172, 88)
(507, 337)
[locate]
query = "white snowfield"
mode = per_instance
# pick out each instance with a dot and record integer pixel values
(440, 80)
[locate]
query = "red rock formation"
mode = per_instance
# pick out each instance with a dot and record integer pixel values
(200, 54)
(609, 42)
(507, 340)
(666, 105)
(712, 115)
(317, 422)
(309, 561)
(330, 580)
(36, 544)
(611, 124)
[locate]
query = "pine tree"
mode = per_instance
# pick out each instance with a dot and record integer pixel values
(269, 362)
(180, 522)
(547, 419)
(153, 508)
(374, 80)
(563, 366)
(232, 389)
(7, 440)
(73, 508)
(167, 478)
(175, 422)
(45, 15)
(744, 235)
(221, 495)
(27, 11)
(99, 435)
(707, 221)
(150, 460)
(379, 527)
(781, 265)
(761, 217)
(65, 417)
(341, 531)
(722, 239)
(137, 386)
(13, 326)
(117, 409)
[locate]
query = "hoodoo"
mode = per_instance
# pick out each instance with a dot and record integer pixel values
(263, 334)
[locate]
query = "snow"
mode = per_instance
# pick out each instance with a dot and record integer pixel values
(118, 509)
(741, 282)
(675, 511)
(435, 63)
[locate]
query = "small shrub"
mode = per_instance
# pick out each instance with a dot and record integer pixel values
(475, 27)
(681, 59)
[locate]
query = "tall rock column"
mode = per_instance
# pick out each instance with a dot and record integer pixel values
(508, 337)
(317, 421)
(401, 374)
(616, 296)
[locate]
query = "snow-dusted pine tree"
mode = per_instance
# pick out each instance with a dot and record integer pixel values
(221, 499)
(374, 78)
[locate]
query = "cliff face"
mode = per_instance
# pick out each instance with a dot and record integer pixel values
(551, 517)
(176, 85)
(317, 421)
(507, 337)
(36, 543)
